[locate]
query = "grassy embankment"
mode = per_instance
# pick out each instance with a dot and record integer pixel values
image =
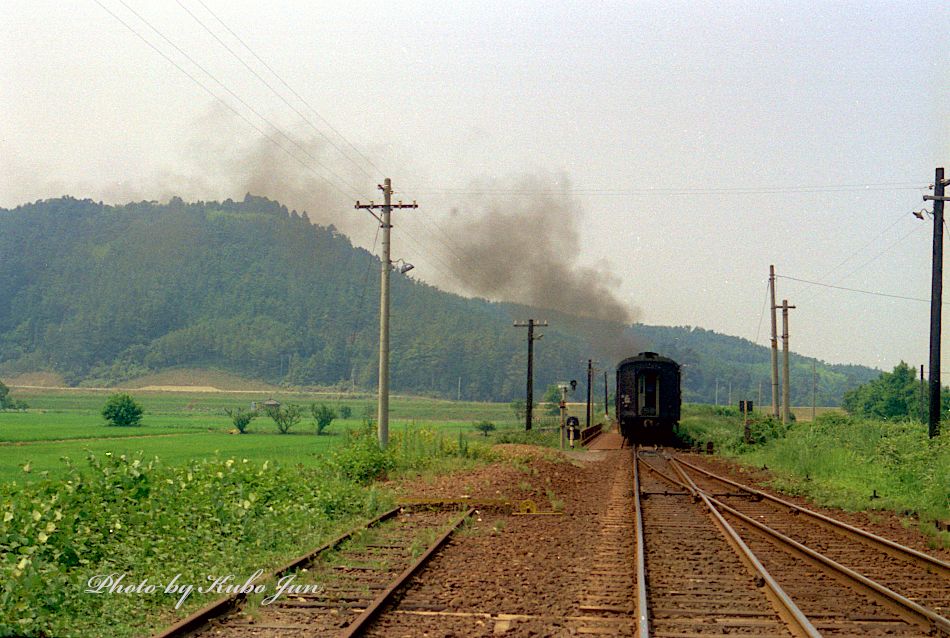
(840, 461)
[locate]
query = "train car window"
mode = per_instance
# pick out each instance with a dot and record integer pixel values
(648, 393)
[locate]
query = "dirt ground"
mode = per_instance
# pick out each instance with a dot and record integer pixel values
(535, 575)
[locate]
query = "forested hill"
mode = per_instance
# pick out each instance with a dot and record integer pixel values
(102, 294)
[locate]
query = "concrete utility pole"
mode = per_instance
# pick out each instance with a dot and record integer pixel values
(590, 380)
(530, 324)
(786, 399)
(936, 301)
(774, 343)
(385, 266)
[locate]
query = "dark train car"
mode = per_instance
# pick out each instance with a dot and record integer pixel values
(648, 398)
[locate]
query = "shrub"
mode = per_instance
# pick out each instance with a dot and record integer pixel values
(241, 418)
(345, 411)
(284, 417)
(485, 427)
(323, 415)
(7, 402)
(122, 410)
(361, 460)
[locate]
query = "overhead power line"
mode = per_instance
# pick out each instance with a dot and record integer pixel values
(450, 245)
(866, 292)
(753, 190)
(217, 98)
(289, 88)
(871, 259)
(268, 85)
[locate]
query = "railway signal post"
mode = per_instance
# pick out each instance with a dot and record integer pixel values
(936, 301)
(386, 265)
(530, 324)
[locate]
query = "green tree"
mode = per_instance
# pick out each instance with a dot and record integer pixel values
(323, 415)
(552, 397)
(893, 395)
(241, 418)
(345, 411)
(518, 407)
(284, 417)
(485, 427)
(122, 410)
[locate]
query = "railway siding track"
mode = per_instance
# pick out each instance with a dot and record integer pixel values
(911, 583)
(350, 579)
(700, 577)
(865, 606)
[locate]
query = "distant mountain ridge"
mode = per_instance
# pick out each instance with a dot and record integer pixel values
(101, 294)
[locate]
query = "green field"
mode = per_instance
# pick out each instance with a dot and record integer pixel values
(179, 427)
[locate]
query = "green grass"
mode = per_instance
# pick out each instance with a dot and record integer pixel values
(50, 426)
(179, 427)
(180, 403)
(840, 461)
(289, 449)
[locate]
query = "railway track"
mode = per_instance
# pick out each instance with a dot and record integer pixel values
(889, 589)
(668, 550)
(697, 577)
(343, 585)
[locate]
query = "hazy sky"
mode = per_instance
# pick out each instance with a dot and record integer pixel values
(693, 143)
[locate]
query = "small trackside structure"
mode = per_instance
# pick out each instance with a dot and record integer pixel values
(648, 398)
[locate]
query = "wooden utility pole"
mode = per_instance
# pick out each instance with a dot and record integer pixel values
(774, 343)
(786, 399)
(936, 302)
(590, 380)
(385, 266)
(530, 324)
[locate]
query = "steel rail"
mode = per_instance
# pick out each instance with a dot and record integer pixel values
(907, 609)
(226, 603)
(912, 611)
(933, 563)
(797, 622)
(643, 621)
(372, 611)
